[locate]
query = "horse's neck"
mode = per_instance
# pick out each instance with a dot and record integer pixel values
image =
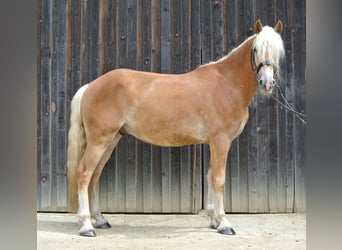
(237, 69)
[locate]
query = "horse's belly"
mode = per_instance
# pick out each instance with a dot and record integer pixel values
(170, 134)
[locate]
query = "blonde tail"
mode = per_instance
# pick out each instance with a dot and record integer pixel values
(76, 146)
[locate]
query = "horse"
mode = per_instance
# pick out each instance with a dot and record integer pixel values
(208, 105)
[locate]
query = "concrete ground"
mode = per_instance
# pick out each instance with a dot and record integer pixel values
(254, 231)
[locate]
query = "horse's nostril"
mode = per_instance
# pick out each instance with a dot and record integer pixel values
(260, 82)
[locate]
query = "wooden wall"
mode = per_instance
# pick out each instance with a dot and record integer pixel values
(80, 40)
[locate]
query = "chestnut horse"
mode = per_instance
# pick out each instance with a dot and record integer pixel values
(208, 105)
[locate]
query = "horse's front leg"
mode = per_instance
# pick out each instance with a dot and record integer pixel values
(219, 148)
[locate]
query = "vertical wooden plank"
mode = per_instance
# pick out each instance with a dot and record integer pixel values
(155, 35)
(186, 198)
(299, 102)
(111, 30)
(198, 178)
(45, 80)
(175, 179)
(84, 45)
(60, 112)
(166, 180)
(195, 34)
(206, 39)
(75, 28)
(147, 177)
(242, 158)
(53, 106)
(119, 196)
(217, 29)
(290, 154)
(224, 28)
(103, 34)
(93, 39)
(185, 35)
(231, 20)
(240, 21)
(132, 34)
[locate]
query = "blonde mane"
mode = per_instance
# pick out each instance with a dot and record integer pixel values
(268, 45)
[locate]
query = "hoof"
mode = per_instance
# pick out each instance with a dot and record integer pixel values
(104, 226)
(89, 233)
(227, 231)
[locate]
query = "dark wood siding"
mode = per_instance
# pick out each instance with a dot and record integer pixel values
(80, 40)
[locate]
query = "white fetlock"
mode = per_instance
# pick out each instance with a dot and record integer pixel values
(86, 227)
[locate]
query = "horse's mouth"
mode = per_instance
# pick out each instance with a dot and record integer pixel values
(266, 92)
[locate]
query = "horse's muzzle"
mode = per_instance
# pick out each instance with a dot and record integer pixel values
(266, 87)
(266, 80)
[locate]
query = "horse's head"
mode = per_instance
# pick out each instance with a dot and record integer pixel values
(267, 50)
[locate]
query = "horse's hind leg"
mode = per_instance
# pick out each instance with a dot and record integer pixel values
(219, 148)
(92, 156)
(100, 221)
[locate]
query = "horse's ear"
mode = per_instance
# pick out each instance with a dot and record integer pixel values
(279, 27)
(257, 26)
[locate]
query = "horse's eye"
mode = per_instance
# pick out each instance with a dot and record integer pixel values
(255, 50)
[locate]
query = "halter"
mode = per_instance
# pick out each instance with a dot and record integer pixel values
(256, 68)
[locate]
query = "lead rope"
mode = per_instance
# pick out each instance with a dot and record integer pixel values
(288, 106)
